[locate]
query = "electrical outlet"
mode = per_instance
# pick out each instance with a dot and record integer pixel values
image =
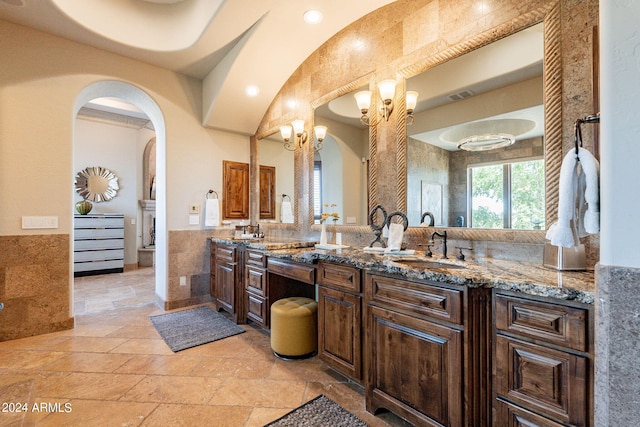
(183, 280)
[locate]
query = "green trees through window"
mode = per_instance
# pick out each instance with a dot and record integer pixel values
(507, 195)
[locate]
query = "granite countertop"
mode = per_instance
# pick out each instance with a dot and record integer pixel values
(526, 277)
(267, 244)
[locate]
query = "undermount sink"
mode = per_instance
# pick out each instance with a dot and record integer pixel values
(423, 264)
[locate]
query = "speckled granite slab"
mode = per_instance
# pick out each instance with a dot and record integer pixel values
(526, 277)
(267, 244)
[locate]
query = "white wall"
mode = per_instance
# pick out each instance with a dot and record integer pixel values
(620, 133)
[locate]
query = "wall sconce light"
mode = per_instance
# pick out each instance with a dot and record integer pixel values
(320, 132)
(297, 128)
(387, 90)
(412, 100)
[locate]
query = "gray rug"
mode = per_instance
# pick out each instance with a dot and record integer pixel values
(319, 412)
(196, 326)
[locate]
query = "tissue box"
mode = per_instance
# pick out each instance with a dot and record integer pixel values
(566, 259)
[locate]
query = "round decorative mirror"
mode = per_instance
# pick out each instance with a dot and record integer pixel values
(96, 184)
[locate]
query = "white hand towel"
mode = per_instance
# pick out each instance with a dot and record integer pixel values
(591, 170)
(561, 233)
(396, 234)
(286, 212)
(212, 213)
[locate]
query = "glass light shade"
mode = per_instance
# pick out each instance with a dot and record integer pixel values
(412, 100)
(387, 89)
(486, 142)
(285, 131)
(298, 126)
(363, 99)
(320, 131)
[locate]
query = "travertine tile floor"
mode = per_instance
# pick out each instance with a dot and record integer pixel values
(113, 369)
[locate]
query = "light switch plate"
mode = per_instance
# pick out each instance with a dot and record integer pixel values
(194, 219)
(37, 222)
(194, 208)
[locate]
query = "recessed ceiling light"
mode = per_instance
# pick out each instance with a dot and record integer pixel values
(312, 16)
(252, 90)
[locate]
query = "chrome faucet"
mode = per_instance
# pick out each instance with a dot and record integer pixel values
(442, 235)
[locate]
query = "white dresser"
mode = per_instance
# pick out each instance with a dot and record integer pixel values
(98, 244)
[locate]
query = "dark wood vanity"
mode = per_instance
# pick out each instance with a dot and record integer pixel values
(244, 282)
(436, 353)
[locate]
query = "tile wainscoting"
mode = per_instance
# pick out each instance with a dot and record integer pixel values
(35, 277)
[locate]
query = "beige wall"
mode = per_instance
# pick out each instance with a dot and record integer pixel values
(41, 77)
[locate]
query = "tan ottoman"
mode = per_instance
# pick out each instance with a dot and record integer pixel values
(294, 328)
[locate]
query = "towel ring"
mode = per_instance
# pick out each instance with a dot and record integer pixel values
(206, 196)
(284, 195)
(577, 137)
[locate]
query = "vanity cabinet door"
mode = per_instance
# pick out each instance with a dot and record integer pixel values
(339, 342)
(415, 368)
(225, 284)
(229, 295)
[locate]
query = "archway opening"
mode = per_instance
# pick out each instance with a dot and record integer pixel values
(138, 98)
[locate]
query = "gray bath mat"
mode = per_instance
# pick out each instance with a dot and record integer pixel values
(317, 412)
(196, 326)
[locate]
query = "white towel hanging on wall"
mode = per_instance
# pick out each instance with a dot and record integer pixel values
(212, 213)
(286, 212)
(561, 233)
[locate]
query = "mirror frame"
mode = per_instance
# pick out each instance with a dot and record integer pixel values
(550, 15)
(83, 177)
(393, 131)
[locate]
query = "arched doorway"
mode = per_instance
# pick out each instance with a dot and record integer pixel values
(144, 102)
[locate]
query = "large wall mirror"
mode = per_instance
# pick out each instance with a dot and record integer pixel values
(458, 167)
(274, 155)
(340, 168)
(418, 168)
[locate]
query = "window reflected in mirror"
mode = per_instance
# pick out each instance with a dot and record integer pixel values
(506, 195)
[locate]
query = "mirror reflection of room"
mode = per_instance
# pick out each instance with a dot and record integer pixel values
(273, 154)
(467, 106)
(340, 168)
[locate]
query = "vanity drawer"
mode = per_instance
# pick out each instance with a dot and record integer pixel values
(301, 272)
(339, 276)
(419, 298)
(555, 324)
(256, 280)
(257, 309)
(256, 257)
(227, 252)
(541, 379)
